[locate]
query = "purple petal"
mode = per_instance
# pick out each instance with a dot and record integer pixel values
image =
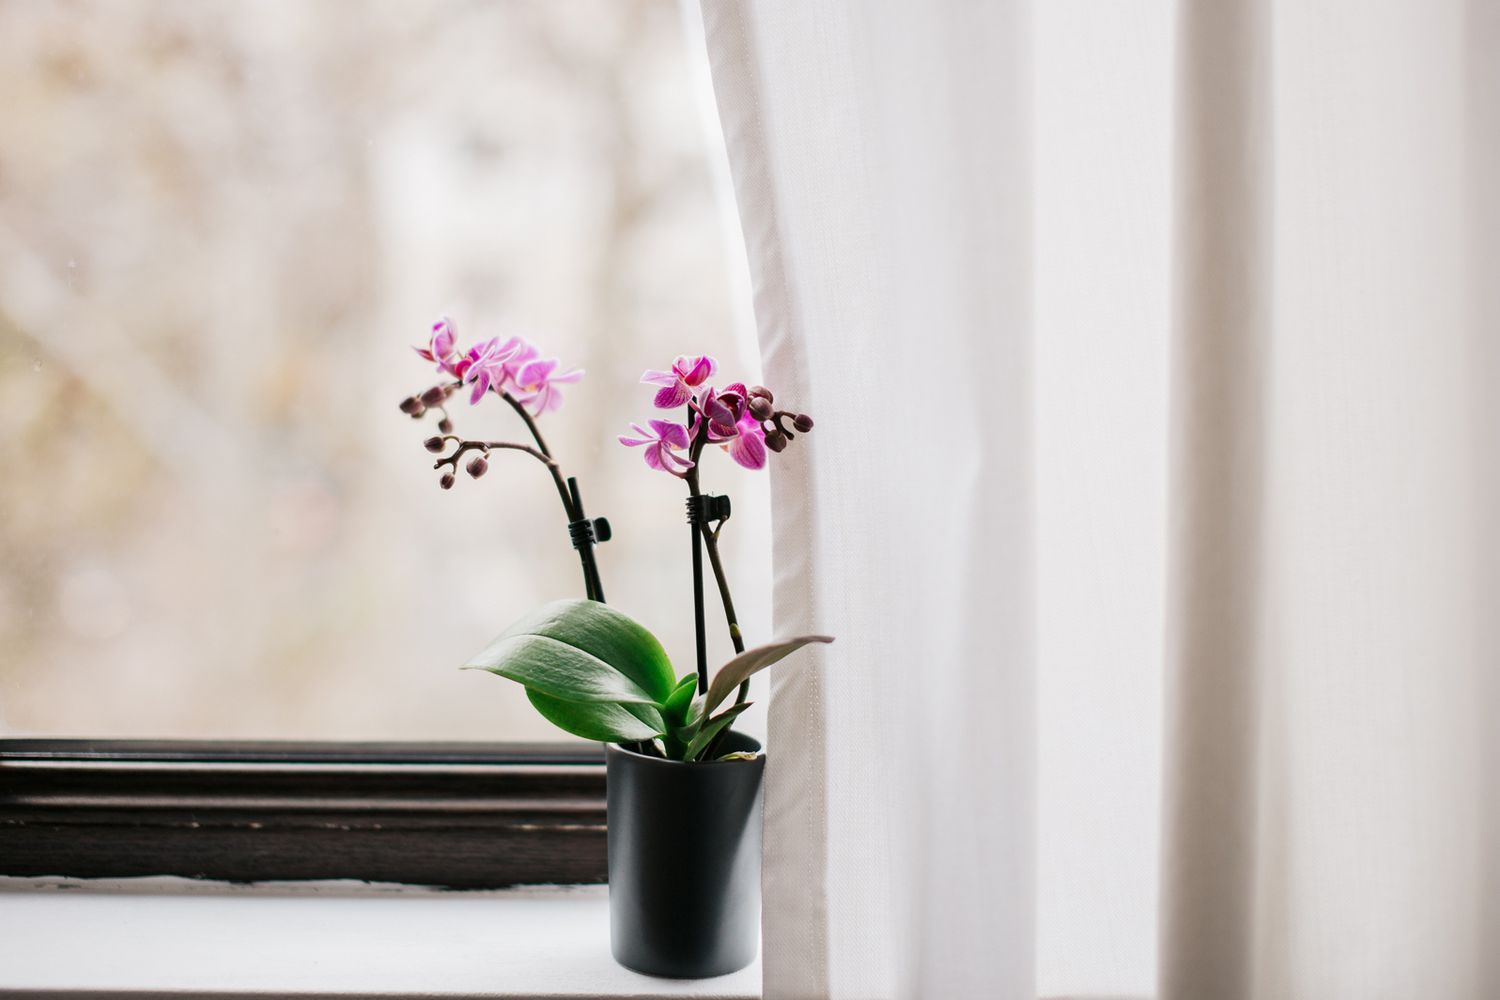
(481, 384)
(702, 367)
(718, 413)
(653, 377)
(653, 458)
(675, 463)
(673, 396)
(749, 450)
(645, 437)
(536, 372)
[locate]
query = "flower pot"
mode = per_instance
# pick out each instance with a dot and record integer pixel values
(684, 862)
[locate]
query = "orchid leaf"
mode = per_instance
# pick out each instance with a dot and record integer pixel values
(675, 708)
(688, 727)
(751, 661)
(712, 728)
(557, 669)
(599, 721)
(582, 651)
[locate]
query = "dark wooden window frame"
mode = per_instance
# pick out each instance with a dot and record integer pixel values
(455, 815)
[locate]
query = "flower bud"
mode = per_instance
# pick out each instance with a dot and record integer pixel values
(412, 405)
(433, 444)
(478, 467)
(434, 396)
(447, 481)
(775, 440)
(802, 422)
(762, 392)
(445, 425)
(760, 408)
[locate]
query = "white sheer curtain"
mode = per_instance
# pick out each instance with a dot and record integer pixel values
(1032, 524)
(847, 175)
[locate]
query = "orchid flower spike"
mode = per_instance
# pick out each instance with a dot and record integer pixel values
(662, 443)
(678, 384)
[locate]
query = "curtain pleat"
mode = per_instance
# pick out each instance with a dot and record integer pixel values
(880, 154)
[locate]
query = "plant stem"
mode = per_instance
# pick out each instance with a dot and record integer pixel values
(536, 434)
(593, 586)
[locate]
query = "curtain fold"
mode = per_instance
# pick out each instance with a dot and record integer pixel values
(1330, 815)
(879, 155)
(1327, 675)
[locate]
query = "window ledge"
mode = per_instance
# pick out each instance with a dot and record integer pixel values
(161, 936)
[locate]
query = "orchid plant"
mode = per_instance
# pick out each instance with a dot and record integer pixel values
(592, 670)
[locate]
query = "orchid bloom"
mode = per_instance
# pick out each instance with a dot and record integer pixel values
(661, 441)
(537, 383)
(723, 409)
(678, 384)
(484, 366)
(519, 352)
(732, 426)
(748, 446)
(440, 347)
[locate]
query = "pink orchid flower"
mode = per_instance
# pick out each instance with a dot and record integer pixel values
(519, 352)
(748, 446)
(723, 408)
(537, 383)
(440, 346)
(661, 441)
(678, 384)
(484, 366)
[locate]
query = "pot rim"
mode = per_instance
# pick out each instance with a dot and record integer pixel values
(759, 750)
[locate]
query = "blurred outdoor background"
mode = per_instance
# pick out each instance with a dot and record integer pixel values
(223, 224)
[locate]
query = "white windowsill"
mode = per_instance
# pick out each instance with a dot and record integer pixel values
(162, 936)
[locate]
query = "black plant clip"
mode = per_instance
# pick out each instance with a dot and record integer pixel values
(584, 532)
(704, 509)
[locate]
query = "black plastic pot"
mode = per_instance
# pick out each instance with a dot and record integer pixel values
(684, 862)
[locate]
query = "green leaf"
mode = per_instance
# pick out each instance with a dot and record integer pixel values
(738, 755)
(603, 633)
(687, 727)
(711, 728)
(555, 668)
(750, 661)
(598, 721)
(675, 708)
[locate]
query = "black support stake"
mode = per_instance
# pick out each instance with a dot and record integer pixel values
(702, 509)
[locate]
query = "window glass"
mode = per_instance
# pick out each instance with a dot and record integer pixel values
(222, 225)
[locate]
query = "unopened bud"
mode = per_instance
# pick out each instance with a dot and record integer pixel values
(434, 396)
(433, 444)
(445, 425)
(763, 393)
(412, 405)
(760, 408)
(802, 422)
(478, 467)
(447, 481)
(775, 440)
